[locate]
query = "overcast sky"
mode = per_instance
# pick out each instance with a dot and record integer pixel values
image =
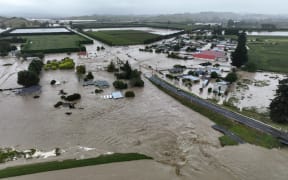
(89, 7)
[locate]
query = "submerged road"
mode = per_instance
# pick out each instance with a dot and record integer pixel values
(282, 136)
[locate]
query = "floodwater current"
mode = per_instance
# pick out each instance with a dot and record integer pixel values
(151, 123)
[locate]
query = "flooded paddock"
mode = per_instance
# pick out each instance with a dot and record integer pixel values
(157, 31)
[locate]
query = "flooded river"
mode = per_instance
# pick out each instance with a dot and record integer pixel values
(152, 123)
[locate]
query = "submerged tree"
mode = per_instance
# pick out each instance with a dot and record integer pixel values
(240, 55)
(279, 105)
(36, 66)
(231, 77)
(27, 78)
(111, 67)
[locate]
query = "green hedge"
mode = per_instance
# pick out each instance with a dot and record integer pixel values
(67, 164)
(60, 50)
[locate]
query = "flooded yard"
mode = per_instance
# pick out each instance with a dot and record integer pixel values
(152, 123)
(255, 90)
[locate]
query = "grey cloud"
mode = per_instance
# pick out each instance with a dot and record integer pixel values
(86, 7)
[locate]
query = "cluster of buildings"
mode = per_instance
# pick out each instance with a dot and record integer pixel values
(201, 76)
(188, 47)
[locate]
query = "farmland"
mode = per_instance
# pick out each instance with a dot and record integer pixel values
(269, 53)
(54, 43)
(123, 37)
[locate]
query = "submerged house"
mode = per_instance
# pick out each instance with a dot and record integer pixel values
(98, 83)
(117, 95)
(176, 70)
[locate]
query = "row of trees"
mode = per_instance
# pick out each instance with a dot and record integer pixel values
(30, 77)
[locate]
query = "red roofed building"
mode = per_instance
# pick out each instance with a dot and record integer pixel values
(204, 56)
(211, 55)
(82, 53)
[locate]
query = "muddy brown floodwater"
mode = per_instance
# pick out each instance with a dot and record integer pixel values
(152, 123)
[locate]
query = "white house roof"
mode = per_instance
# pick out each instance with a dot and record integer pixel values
(117, 95)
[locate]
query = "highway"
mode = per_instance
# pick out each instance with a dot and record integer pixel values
(282, 136)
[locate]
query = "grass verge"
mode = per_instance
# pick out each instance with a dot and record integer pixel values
(227, 141)
(249, 135)
(67, 164)
(252, 113)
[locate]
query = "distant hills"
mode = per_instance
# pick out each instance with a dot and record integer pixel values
(16, 22)
(251, 20)
(188, 17)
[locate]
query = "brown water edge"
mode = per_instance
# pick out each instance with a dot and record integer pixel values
(140, 170)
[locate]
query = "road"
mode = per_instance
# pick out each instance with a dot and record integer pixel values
(282, 136)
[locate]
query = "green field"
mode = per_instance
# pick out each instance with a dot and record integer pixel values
(53, 43)
(269, 53)
(123, 37)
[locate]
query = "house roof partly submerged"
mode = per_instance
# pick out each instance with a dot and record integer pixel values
(117, 95)
(192, 78)
(98, 83)
(28, 90)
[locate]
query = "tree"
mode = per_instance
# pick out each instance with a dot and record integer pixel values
(27, 78)
(231, 77)
(137, 82)
(279, 105)
(127, 69)
(214, 75)
(35, 66)
(111, 67)
(81, 69)
(4, 48)
(120, 85)
(129, 94)
(89, 76)
(240, 55)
